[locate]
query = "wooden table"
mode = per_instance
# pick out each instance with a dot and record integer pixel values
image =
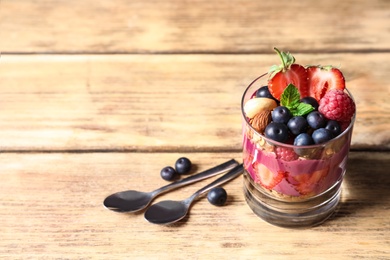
(98, 96)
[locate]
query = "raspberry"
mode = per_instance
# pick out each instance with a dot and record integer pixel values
(285, 154)
(337, 105)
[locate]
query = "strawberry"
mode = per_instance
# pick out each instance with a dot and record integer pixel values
(308, 182)
(267, 178)
(280, 76)
(323, 79)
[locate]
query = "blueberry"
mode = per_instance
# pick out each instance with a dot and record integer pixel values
(321, 135)
(277, 132)
(311, 101)
(264, 92)
(183, 165)
(217, 196)
(168, 173)
(334, 127)
(281, 114)
(303, 139)
(316, 120)
(297, 125)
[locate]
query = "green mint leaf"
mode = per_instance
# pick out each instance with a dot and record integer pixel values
(302, 109)
(290, 97)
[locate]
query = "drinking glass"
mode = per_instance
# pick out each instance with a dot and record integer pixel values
(302, 191)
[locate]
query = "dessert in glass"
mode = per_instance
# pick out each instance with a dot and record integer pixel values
(297, 129)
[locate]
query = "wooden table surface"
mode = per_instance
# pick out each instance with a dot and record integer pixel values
(97, 96)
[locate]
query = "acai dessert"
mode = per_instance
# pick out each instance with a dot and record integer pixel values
(297, 127)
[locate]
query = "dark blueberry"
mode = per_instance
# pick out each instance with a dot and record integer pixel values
(264, 92)
(334, 127)
(217, 196)
(316, 120)
(311, 101)
(303, 139)
(321, 135)
(277, 132)
(297, 125)
(183, 165)
(281, 114)
(168, 173)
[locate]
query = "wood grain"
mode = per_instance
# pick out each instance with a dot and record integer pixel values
(51, 207)
(200, 26)
(159, 103)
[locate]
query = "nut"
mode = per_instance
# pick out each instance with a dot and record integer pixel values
(255, 105)
(261, 120)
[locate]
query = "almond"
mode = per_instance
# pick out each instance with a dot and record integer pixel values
(261, 120)
(255, 105)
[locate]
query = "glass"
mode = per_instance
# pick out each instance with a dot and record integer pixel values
(308, 186)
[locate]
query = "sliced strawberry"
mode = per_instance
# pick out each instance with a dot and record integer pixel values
(266, 177)
(308, 182)
(280, 76)
(322, 79)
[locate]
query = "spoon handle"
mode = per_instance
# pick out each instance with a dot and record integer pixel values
(198, 177)
(221, 180)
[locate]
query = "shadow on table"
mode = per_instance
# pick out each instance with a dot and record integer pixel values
(366, 183)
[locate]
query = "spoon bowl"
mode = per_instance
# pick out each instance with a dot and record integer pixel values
(128, 201)
(133, 201)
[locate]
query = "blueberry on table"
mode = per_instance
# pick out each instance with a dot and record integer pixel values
(183, 165)
(321, 135)
(316, 120)
(277, 131)
(297, 125)
(168, 173)
(217, 196)
(281, 114)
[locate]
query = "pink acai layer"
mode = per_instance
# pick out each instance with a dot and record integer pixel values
(330, 169)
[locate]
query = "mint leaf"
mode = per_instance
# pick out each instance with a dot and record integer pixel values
(291, 99)
(302, 109)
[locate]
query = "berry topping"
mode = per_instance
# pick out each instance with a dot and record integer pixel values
(168, 173)
(303, 139)
(264, 92)
(285, 154)
(267, 178)
(316, 120)
(280, 76)
(333, 127)
(311, 101)
(277, 132)
(297, 125)
(337, 105)
(323, 79)
(217, 196)
(321, 135)
(281, 114)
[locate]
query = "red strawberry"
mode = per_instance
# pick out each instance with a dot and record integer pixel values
(322, 79)
(308, 182)
(267, 178)
(280, 76)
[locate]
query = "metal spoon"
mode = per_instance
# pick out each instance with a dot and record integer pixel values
(132, 200)
(169, 211)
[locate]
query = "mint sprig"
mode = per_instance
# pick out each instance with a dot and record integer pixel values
(291, 99)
